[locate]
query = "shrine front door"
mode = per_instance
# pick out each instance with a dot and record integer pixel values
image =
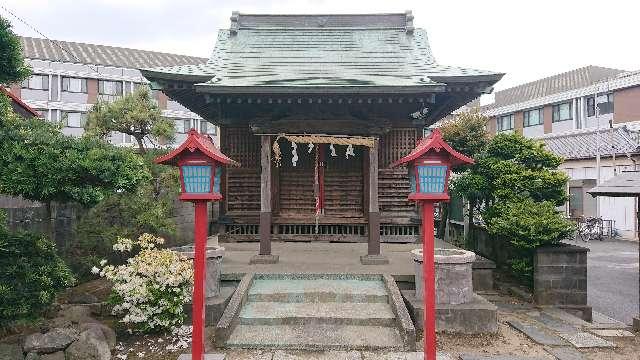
(323, 178)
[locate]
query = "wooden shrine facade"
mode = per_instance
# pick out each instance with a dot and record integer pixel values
(350, 200)
(369, 76)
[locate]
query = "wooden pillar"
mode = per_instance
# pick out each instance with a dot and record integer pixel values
(373, 256)
(264, 256)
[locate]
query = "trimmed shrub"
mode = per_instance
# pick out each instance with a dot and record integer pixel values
(526, 225)
(31, 275)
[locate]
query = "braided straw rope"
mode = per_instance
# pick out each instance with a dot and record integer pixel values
(320, 139)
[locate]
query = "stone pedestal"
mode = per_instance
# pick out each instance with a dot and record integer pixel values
(477, 316)
(483, 274)
(454, 284)
(214, 267)
(458, 309)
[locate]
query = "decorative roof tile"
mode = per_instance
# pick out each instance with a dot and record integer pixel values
(321, 51)
(570, 80)
(583, 144)
(44, 49)
(625, 184)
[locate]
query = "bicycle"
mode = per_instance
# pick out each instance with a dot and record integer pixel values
(590, 228)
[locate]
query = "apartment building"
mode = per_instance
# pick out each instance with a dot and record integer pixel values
(589, 116)
(68, 78)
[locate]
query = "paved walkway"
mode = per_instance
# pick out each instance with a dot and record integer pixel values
(320, 258)
(613, 278)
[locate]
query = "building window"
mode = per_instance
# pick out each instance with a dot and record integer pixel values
(207, 128)
(533, 117)
(186, 125)
(607, 106)
(506, 122)
(74, 119)
(106, 87)
(591, 108)
(36, 82)
(75, 85)
(562, 112)
(604, 107)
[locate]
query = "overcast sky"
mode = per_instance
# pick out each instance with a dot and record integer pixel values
(525, 39)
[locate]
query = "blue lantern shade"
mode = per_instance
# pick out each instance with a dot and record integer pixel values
(432, 179)
(197, 179)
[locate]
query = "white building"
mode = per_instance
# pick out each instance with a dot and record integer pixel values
(66, 83)
(596, 141)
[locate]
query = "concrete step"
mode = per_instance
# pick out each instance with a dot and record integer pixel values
(328, 313)
(315, 337)
(318, 290)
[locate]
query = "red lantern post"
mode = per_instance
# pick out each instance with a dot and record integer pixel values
(429, 168)
(200, 163)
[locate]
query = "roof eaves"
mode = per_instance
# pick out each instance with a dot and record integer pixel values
(315, 89)
(155, 74)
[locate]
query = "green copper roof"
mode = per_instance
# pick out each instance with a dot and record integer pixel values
(282, 53)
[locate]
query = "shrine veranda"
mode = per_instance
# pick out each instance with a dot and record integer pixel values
(354, 92)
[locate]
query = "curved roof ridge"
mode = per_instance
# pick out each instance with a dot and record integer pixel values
(241, 21)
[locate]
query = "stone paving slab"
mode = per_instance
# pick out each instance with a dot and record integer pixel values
(566, 317)
(602, 321)
(565, 353)
(612, 333)
(584, 340)
(315, 337)
(552, 323)
(277, 313)
(324, 355)
(241, 354)
(536, 334)
(206, 357)
(496, 357)
(403, 356)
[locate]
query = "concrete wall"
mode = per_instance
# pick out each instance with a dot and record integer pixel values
(547, 115)
(491, 126)
(560, 278)
(626, 105)
(24, 215)
(518, 122)
(561, 126)
(533, 131)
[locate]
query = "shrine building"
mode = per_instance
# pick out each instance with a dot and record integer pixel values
(315, 108)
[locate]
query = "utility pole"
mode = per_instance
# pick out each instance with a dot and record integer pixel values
(596, 113)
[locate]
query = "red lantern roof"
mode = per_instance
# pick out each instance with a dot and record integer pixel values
(436, 143)
(196, 141)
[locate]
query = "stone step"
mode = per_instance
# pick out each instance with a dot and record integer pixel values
(318, 291)
(328, 313)
(315, 337)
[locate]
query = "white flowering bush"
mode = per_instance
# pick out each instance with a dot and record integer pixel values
(150, 290)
